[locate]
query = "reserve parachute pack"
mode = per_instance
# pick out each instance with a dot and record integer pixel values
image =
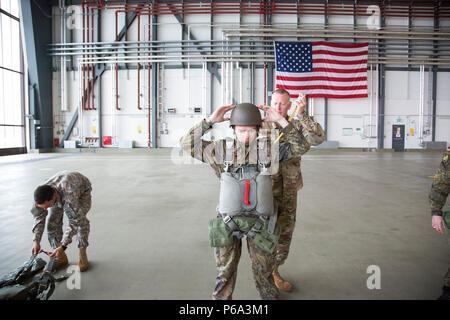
(246, 206)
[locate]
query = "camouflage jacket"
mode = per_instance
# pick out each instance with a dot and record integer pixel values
(289, 176)
(70, 186)
(291, 145)
(440, 187)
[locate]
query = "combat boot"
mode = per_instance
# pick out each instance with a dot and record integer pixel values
(445, 293)
(61, 261)
(280, 282)
(83, 260)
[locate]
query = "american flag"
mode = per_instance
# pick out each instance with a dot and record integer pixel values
(322, 69)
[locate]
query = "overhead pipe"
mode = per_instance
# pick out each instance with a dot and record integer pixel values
(252, 58)
(282, 8)
(55, 48)
(351, 31)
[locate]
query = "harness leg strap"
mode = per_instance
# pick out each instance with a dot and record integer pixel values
(273, 218)
(233, 226)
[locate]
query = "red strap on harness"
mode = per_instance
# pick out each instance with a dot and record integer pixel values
(247, 191)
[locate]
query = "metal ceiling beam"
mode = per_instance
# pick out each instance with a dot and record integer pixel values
(212, 68)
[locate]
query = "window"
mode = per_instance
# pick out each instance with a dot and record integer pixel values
(12, 126)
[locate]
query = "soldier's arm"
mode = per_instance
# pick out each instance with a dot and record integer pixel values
(294, 144)
(193, 143)
(440, 188)
(311, 130)
(39, 222)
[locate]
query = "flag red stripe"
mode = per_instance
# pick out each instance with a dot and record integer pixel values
(339, 70)
(340, 45)
(326, 95)
(321, 86)
(340, 54)
(344, 62)
(321, 78)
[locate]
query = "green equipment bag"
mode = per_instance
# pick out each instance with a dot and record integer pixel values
(220, 234)
(446, 217)
(266, 241)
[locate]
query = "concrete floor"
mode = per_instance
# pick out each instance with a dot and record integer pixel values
(149, 225)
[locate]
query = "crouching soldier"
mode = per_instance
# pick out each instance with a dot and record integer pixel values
(246, 204)
(69, 193)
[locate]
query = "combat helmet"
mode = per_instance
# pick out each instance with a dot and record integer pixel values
(245, 114)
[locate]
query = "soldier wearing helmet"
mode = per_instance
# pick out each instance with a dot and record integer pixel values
(246, 204)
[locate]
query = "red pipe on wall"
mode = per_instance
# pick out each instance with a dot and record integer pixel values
(149, 91)
(92, 65)
(84, 75)
(139, 65)
(117, 72)
(88, 98)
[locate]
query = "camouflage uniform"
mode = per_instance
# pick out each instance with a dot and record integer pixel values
(289, 180)
(227, 258)
(438, 196)
(73, 197)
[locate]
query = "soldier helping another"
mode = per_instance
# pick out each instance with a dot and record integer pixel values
(288, 180)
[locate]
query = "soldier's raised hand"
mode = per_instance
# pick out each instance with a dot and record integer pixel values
(219, 113)
(301, 104)
(272, 115)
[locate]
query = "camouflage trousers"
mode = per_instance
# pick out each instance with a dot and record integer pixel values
(447, 275)
(227, 260)
(287, 211)
(55, 224)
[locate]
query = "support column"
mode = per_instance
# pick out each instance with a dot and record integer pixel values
(37, 36)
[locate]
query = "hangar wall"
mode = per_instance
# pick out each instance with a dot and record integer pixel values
(351, 122)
